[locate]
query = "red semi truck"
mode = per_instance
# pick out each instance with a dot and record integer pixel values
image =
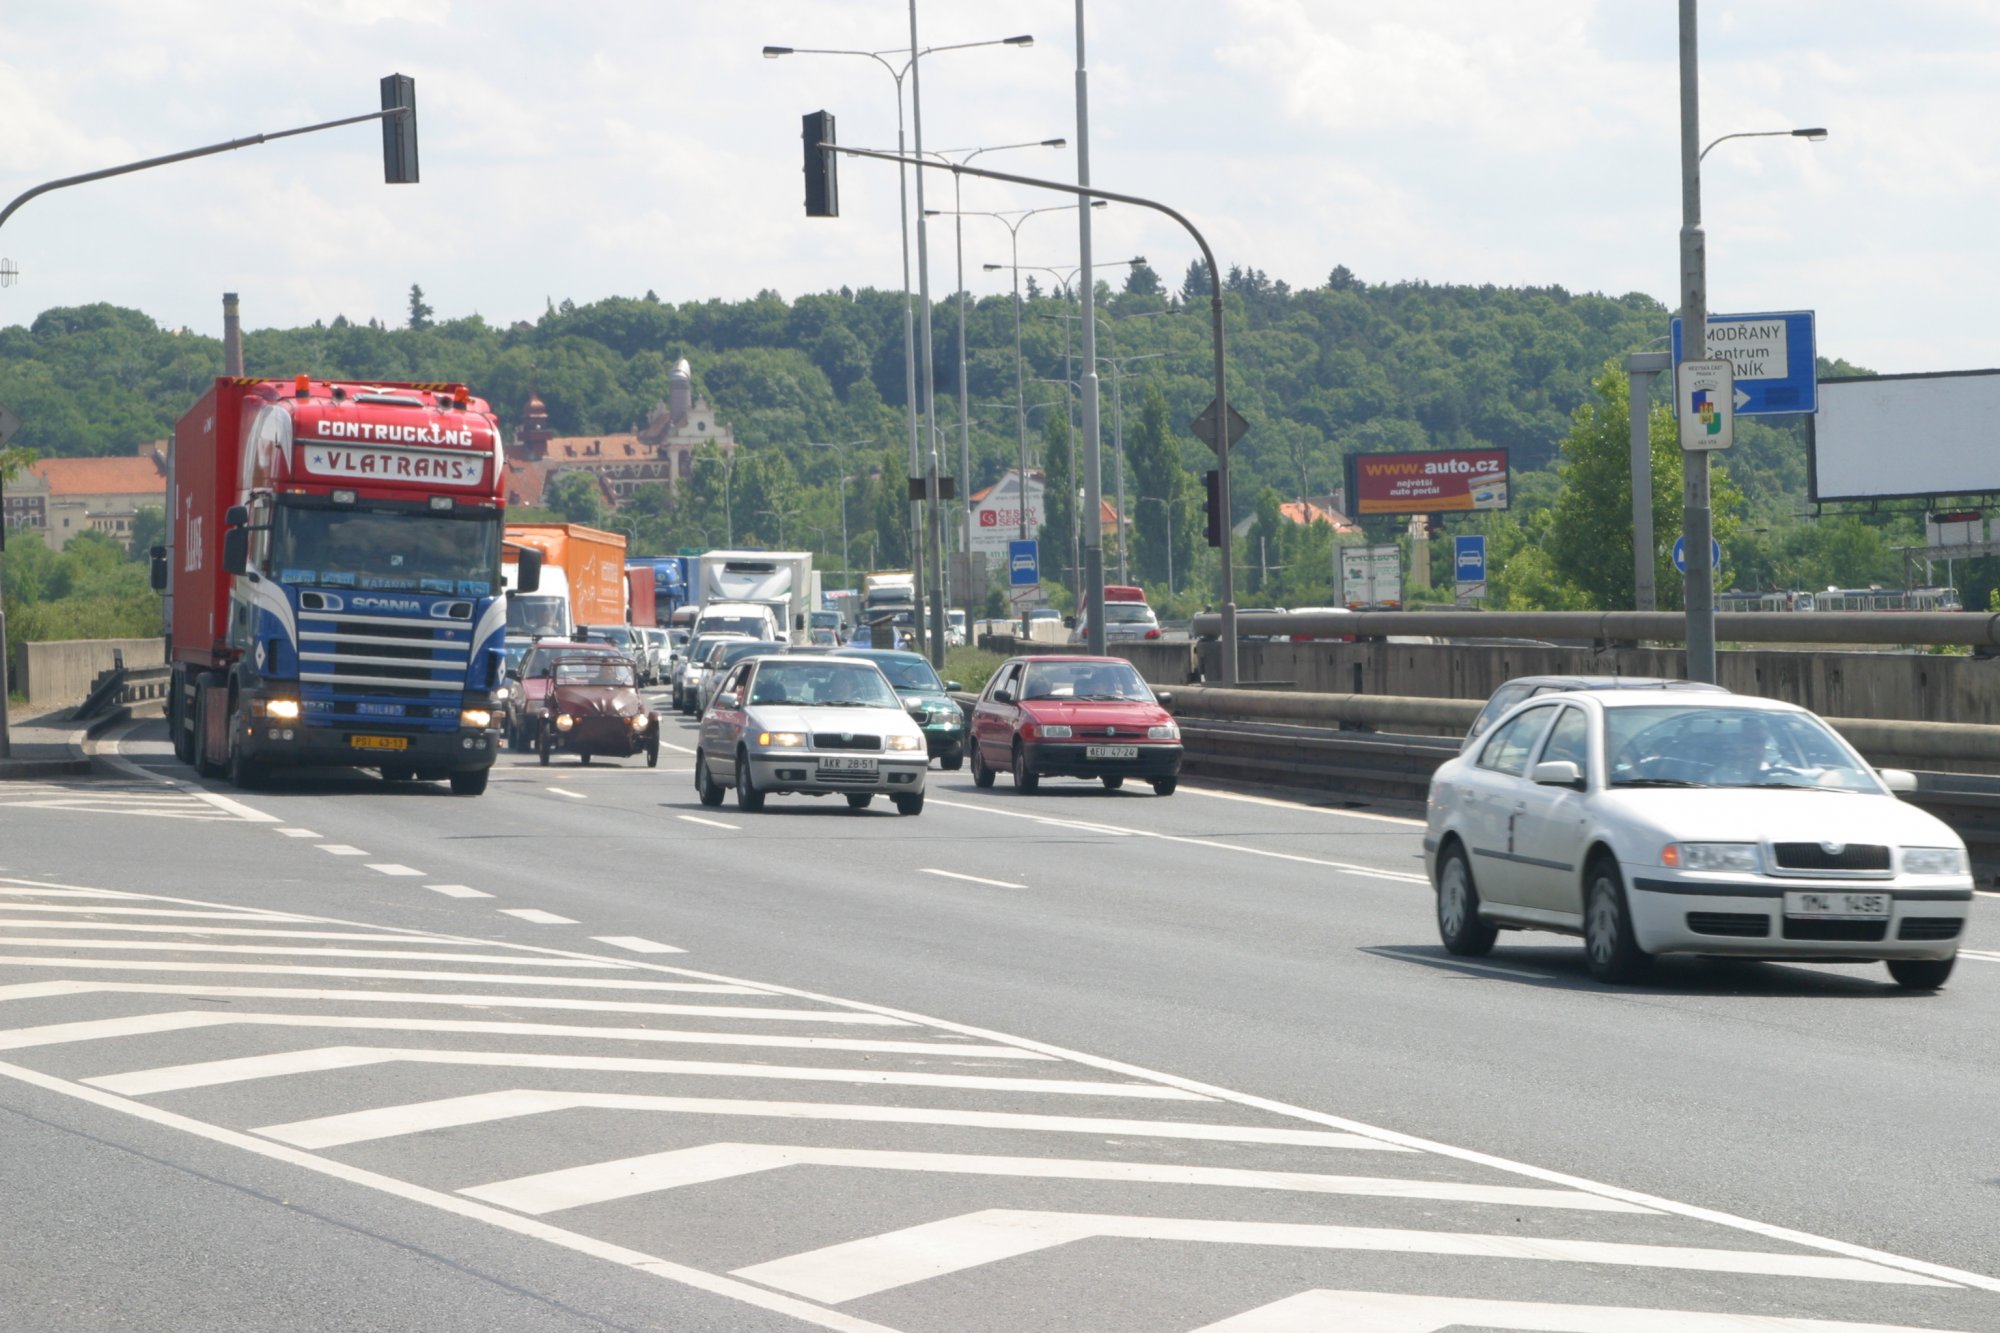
(333, 580)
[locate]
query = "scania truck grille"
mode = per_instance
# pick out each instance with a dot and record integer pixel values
(352, 656)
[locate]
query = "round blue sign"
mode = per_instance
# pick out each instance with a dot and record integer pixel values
(1680, 554)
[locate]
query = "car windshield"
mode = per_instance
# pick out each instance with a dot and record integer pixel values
(754, 625)
(594, 671)
(909, 673)
(1085, 681)
(826, 683)
(540, 660)
(732, 653)
(1127, 613)
(361, 548)
(1678, 746)
(618, 634)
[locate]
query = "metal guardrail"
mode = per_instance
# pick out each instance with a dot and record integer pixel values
(120, 686)
(1979, 629)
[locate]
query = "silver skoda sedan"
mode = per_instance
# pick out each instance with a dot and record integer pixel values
(812, 725)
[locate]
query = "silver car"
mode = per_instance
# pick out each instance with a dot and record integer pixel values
(694, 660)
(813, 725)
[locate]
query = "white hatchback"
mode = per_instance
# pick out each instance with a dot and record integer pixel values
(1684, 822)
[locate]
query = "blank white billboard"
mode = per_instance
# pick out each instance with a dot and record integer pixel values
(1898, 436)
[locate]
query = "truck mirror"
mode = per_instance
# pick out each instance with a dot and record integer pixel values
(159, 570)
(237, 516)
(528, 574)
(236, 547)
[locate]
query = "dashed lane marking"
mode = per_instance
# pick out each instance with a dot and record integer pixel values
(340, 849)
(975, 879)
(1397, 1312)
(538, 916)
(635, 944)
(1278, 802)
(563, 791)
(457, 891)
(391, 868)
(712, 823)
(295, 832)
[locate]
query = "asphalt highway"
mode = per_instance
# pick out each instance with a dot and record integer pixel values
(584, 1054)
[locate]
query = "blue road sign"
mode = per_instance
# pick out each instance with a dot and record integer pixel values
(1681, 554)
(1774, 357)
(1470, 553)
(1024, 566)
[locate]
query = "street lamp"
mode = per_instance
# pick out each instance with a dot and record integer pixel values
(908, 67)
(1697, 515)
(1166, 518)
(840, 457)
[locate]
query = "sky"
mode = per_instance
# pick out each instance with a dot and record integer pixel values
(585, 150)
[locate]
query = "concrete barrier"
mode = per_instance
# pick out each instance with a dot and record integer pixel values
(1163, 663)
(63, 671)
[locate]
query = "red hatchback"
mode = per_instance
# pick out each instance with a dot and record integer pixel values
(1073, 717)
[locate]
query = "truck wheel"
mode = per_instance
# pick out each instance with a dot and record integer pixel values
(180, 720)
(204, 763)
(245, 774)
(398, 773)
(470, 781)
(951, 763)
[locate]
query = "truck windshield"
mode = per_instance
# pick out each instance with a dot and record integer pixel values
(360, 548)
(535, 615)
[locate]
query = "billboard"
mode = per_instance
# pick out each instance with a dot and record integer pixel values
(1437, 481)
(1897, 436)
(996, 515)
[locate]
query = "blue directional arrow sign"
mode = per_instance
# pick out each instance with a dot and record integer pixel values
(1024, 567)
(1681, 554)
(1775, 359)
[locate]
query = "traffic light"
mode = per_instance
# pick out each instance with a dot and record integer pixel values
(399, 133)
(822, 179)
(1216, 518)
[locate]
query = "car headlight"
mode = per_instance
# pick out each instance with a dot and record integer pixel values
(1168, 732)
(1053, 730)
(564, 721)
(784, 740)
(640, 721)
(479, 719)
(904, 742)
(1741, 856)
(1934, 861)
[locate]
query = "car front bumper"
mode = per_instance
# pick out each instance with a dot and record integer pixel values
(1071, 759)
(1746, 917)
(896, 774)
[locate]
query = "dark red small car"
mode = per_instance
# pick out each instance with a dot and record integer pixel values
(1073, 717)
(593, 707)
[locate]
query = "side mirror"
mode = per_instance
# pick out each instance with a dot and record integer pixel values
(528, 574)
(1069, 622)
(159, 568)
(1557, 773)
(726, 699)
(952, 687)
(236, 547)
(1897, 779)
(1166, 698)
(236, 517)
(1003, 695)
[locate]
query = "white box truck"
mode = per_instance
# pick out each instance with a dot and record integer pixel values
(781, 580)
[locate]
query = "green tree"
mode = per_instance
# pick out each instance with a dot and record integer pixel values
(1058, 497)
(1167, 500)
(578, 496)
(149, 529)
(420, 313)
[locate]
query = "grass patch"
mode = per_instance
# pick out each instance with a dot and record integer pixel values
(971, 667)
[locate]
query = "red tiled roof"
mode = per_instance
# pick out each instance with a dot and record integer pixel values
(102, 476)
(584, 448)
(1305, 513)
(525, 481)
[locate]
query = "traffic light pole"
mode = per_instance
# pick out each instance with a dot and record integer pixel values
(1229, 653)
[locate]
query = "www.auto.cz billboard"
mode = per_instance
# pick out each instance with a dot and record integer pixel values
(1437, 481)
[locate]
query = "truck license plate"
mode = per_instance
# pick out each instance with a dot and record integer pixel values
(843, 765)
(1836, 904)
(1111, 752)
(379, 742)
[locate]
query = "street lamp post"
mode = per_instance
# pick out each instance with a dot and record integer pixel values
(909, 68)
(1697, 514)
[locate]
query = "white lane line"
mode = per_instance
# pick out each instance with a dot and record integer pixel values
(635, 944)
(1395, 1312)
(391, 868)
(538, 916)
(42, 990)
(712, 823)
(669, 745)
(457, 891)
(485, 1107)
(340, 849)
(237, 808)
(602, 1182)
(412, 954)
(1988, 893)
(176, 928)
(1460, 964)
(295, 832)
(1367, 872)
(1281, 804)
(84, 915)
(563, 791)
(1979, 954)
(976, 879)
(242, 1069)
(636, 1260)
(875, 1264)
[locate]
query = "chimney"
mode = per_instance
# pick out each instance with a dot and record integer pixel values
(232, 336)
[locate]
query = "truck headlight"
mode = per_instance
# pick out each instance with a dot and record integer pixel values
(1933, 861)
(904, 742)
(479, 719)
(285, 710)
(1738, 856)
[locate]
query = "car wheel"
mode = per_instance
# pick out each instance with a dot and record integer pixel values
(706, 786)
(1165, 786)
(748, 798)
(913, 804)
(951, 763)
(1112, 783)
(1609, 947)
(677, 698)
(1025, 781)
(1458, 920)
(543, 744)
(982, 776)
(470, 781)
(653, 749)
(858, 800)
(1921, 973)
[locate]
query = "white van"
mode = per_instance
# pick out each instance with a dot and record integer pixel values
(755, 619)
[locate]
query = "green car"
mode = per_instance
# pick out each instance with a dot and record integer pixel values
(924, 695)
